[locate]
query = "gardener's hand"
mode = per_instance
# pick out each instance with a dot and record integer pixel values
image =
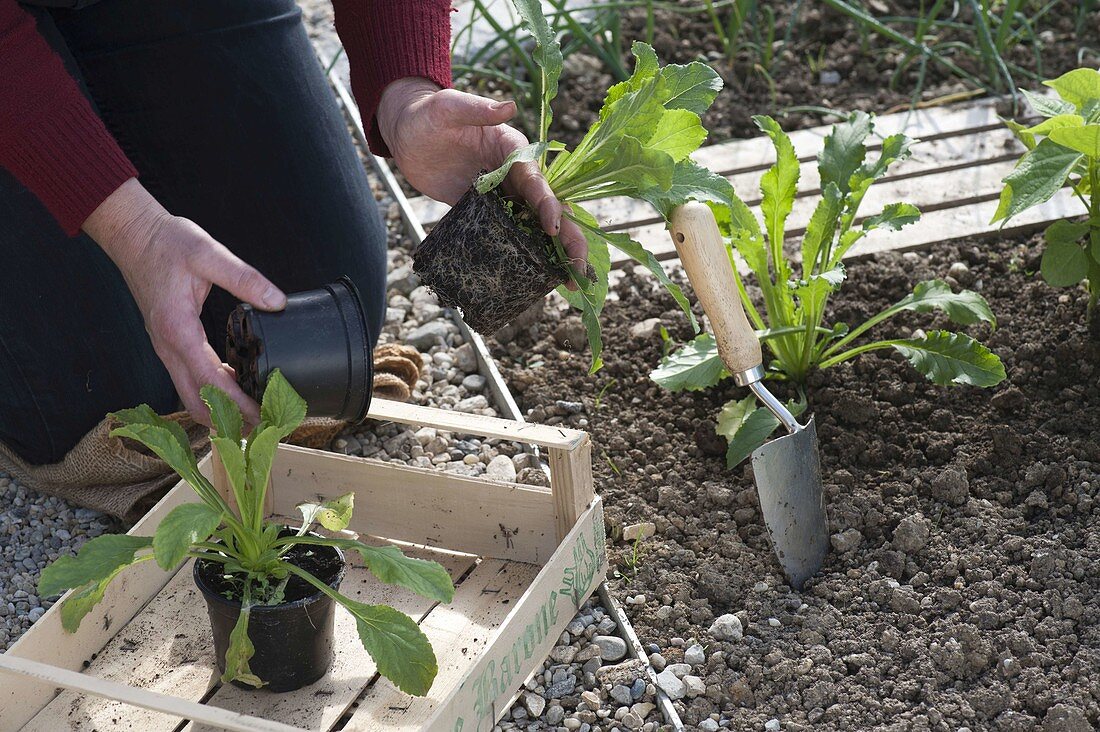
(170, 263)
(442, 138)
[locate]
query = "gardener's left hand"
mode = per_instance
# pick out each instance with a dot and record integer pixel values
(442, 138)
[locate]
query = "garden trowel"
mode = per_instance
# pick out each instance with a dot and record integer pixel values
(787, 469)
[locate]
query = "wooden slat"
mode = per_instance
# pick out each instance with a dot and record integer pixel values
(23, 697)
(571, 481)
(475, 424)
(756, 154)
(166, 648)
(529, 631)
(48, 675)
(459, 632)
(422, 506)
(320, 705)
(928, 193)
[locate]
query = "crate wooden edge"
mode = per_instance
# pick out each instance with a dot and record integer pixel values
(25, 694)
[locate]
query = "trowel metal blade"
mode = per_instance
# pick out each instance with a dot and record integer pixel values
(788, 481)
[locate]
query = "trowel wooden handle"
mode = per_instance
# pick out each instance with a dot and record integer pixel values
(703, 254)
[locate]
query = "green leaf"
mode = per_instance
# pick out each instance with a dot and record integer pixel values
(822, 227)
(1057, 122)
(258, 460)
(241, 650)
(165, 438)
(1082, 139)
(547, 55)
(695, 366)
(895, 148)
(779, 184)
(1065, 262)
(628, 169)
(225, 415)
(753, 251)
(645, 69)
(397, 645)
(755, 427)
(1047, 106)
(281, 407)
(181, 528)
(95, 561)
(233, 460)
(1077, 87)
(733, 415)
(1038, 175)
(893, 216)
(690, 182)
(389, 564)
(678, 134)
(590, 296)
(964, 307)
(1021, 133)
(334, 515)
(526, 154)
(83, 599)
(952, 358)
(692, 86)
(844, 150)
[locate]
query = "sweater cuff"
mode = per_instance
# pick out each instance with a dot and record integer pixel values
(70, 161)
(387, 40)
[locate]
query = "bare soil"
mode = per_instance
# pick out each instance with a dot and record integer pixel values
(963, 589)
(829, 62)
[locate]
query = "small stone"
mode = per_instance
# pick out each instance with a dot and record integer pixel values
(829, 78)
(637, 689)
(554, 715)
(727, 627)
(960, 272)
(472, 404)
(671, 685)
(473, 382)
(680, 670)
(772, 725)
(695, 655)
(403, 280)
(565, 687)
(646, 329)
(694, 686)
(846, 540)
(534, 703)
(632, 721)
(708, 725)
(911, 534)
(591, 698)
(657, 661)
(572, 723)
(642, 709)
(636, 532)
(563, 654)
(621, 694)
(501, 468)
(428, 335)
(466, 359)
(612, 648)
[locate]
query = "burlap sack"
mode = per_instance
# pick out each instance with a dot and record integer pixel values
(123, 478)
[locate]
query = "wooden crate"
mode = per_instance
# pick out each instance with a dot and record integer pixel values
(523, 558)
(954, 177)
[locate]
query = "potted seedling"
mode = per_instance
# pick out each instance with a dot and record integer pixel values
(269, 588)
(1063, 149)
(489, 256)
(795, 293)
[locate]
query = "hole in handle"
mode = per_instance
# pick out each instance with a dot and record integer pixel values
(680, 237)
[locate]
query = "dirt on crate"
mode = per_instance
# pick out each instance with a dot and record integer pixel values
(963, 586)
(830, 62)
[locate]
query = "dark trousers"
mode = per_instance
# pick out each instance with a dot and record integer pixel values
(226, 113)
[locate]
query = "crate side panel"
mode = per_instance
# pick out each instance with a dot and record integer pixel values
(530, 630)
(319, 705)
(420, 506)
(166, 648)
(458, 632)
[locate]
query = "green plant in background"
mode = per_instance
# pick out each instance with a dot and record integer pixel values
(639, 147)
(1063, 149)
(250, 548)
(792, 322)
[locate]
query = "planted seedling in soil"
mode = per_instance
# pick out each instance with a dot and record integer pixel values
(795, 293)
(259, 565)
(490, 257)
(1063, 149)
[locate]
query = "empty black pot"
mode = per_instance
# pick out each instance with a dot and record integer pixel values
(320, 342)
(293, 640)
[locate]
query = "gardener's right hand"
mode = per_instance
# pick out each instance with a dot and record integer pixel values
(169, 264)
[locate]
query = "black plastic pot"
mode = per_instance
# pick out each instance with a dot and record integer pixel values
(320, 342)
(489, 257)
(293, 640)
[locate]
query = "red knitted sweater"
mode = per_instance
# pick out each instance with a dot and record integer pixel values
(54, 144)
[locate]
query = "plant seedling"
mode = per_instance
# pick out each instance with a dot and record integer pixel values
(639, 147)
(1063, 149)
(252, 550)
(795, 293)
